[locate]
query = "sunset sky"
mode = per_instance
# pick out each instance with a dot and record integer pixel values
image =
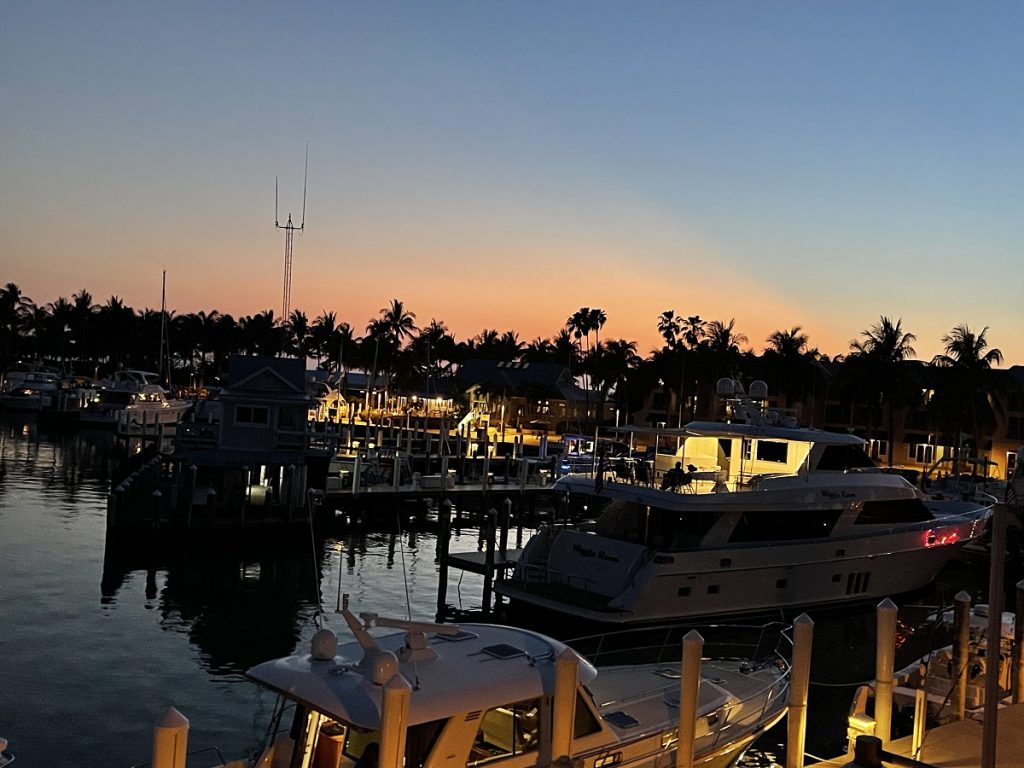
(501, 164)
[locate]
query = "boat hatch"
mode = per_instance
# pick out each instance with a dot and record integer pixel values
(457, 637)
(621, 720)
(503, 651)
(671, 674)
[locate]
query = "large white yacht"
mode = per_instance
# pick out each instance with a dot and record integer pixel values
(747, 515)
(437, 696)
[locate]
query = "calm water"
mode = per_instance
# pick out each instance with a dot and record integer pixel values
(97, 644)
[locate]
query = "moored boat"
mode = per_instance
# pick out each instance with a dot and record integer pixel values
(478, 694)
(769, 515)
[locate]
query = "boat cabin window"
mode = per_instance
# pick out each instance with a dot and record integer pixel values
(770, 450)
(785, 526)
(844, 457)
(507, 731)
(679, 530)
(893, 511)
(419, 740)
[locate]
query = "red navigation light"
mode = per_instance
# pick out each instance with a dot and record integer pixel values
(942, 539)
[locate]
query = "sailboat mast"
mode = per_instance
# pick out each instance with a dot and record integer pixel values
(165, 344)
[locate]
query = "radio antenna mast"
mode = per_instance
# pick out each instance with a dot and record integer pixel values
(289, 233)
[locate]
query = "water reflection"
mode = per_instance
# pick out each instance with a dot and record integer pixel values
(238, 604)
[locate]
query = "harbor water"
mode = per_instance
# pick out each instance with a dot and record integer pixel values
(99, 641)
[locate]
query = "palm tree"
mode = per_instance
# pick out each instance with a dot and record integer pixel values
(297, 332)
(14, 311)
(670, 327)
(971, 360)
(321, 334)
(614, 362)
(789, 361)
(261, 334)
(400, 323)
(723, 343)
(877, 363)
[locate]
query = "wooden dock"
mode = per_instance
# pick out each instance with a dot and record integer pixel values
(958, 744)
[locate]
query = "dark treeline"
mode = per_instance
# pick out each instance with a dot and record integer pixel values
(89, 338)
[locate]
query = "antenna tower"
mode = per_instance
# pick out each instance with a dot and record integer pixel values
(289, 233)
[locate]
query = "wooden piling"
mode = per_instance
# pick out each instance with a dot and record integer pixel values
(689, 694)
(444, 528)
(961, 643)
(1018, 647)
(885, 652)
(491, 523)
(800, 675)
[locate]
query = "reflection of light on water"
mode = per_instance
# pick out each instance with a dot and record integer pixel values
(250, 574)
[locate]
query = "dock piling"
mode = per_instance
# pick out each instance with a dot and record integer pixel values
(796, 720)
(689, 690)
(491, 523)
(961, 643)
(444, 522)
(885, 652)
(1018, 647)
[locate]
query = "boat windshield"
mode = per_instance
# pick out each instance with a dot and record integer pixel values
(844, 457)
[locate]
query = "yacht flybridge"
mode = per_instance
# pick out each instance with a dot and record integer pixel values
(746, 515)
(434, 696)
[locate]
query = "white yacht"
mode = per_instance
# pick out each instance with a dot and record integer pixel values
(129, 399)
(482, 694)
(766, 515)
(32, 389)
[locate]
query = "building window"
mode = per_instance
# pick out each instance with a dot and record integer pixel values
(249, 414)
(923, 453)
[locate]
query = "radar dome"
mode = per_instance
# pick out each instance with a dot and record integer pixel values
(385, 666)
(726, 387)
(323, 645)
(759, 390)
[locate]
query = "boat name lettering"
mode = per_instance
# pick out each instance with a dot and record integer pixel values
(830, 494)
(588, 552)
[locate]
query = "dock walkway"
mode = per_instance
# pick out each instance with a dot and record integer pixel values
(958, 745)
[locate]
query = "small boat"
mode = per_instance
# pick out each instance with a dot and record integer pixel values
(768, 515)
(32, 389)
(136, 392)
(936, 674)
(487, 694)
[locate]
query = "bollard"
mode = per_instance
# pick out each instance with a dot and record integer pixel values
(867, 753)
(961, 644)
(885, 652)
(689, 690)
(394, 719)
(800, 676)
(564, 705)
(170, 740)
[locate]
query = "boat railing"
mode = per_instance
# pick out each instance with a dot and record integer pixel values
(757, 647)
(663, 643)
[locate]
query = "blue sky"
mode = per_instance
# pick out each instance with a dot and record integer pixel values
(500, 165)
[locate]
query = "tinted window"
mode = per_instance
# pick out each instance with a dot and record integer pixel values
(785, 526)
(893, 511)
(842, 457)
